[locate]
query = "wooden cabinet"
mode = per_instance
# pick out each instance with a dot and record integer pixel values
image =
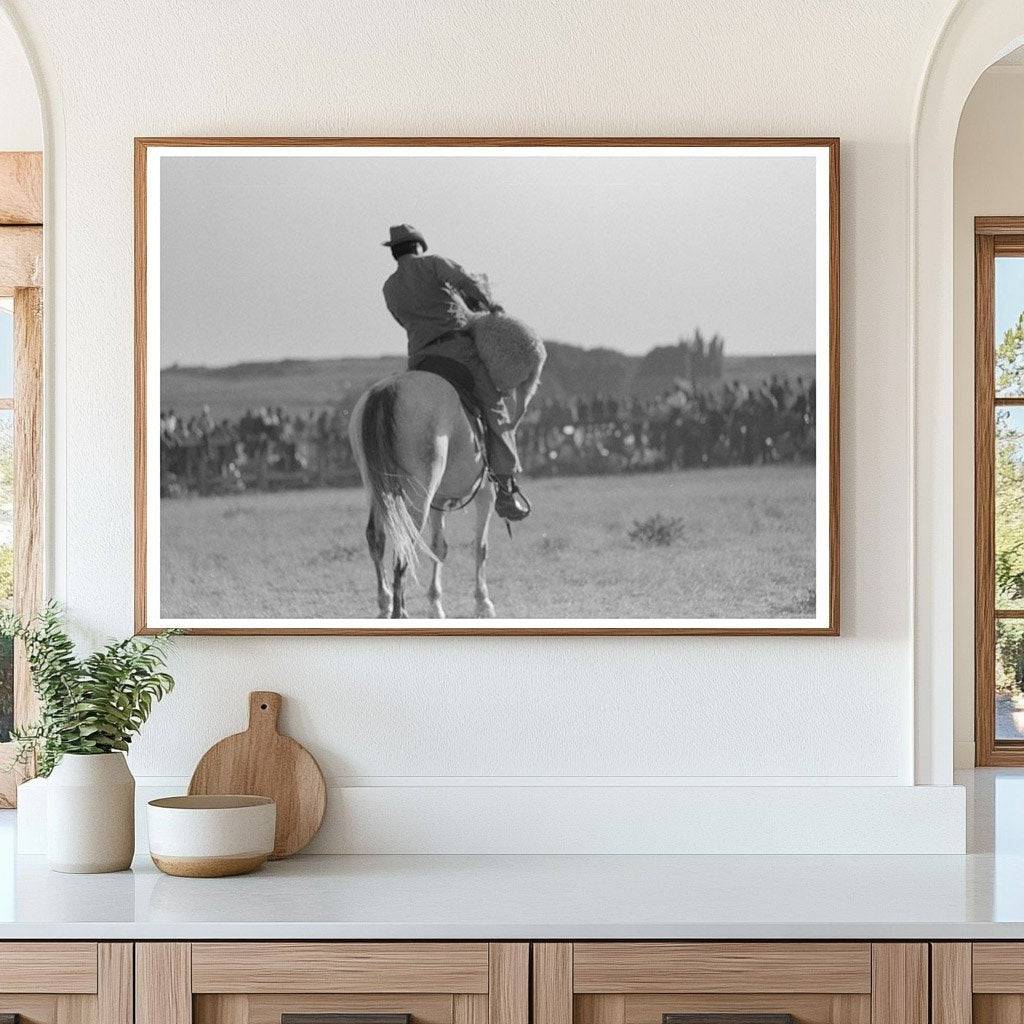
(66, 982)
(980, 982)
(494, 983)
(260, 982)
(647, 982)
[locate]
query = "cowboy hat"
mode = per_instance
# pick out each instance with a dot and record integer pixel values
(400, 233)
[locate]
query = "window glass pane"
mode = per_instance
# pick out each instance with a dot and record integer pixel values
(1009, 679)
(6, 349)
(1009, 569)
(1009, 326)
(6, 567)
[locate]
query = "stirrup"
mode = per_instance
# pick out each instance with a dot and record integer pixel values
(510, 503)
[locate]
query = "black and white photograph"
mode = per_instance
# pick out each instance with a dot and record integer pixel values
(465, 386)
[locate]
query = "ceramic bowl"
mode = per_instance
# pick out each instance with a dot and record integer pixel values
(211, 836)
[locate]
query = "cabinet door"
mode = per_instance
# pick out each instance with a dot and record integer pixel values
(332, 983)
(981, 982)
(66, 982)
(736, 982)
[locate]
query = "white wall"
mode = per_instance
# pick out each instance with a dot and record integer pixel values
(988, 181)
(446, 713)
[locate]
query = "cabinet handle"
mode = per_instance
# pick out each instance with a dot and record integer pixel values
(728, 1018)
(337, 1018)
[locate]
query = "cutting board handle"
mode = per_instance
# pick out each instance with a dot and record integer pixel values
(264, 710)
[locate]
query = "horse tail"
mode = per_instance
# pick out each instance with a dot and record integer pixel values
(386, 483)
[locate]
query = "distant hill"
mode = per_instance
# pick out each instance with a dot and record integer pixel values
(300, 384)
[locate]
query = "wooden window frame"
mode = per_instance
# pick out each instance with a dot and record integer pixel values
(21, 269)
(993, 237)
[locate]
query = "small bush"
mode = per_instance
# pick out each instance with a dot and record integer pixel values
(656, 531)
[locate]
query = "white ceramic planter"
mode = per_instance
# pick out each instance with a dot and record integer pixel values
(90, 814)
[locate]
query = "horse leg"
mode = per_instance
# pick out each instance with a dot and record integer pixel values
(375, 542)
(439, 546)
(484, 504)
(398, 606)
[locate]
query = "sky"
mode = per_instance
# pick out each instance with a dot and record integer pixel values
(1009, 293)
(272, 257)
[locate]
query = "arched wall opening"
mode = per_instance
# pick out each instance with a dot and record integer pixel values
(976, 34)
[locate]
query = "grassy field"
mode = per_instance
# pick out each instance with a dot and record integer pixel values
(743, 547)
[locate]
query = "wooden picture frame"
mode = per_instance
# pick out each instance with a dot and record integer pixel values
(826, 619)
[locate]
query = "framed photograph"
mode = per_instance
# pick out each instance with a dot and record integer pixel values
(487, 386)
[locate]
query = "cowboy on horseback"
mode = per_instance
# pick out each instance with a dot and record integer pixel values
(422, 295)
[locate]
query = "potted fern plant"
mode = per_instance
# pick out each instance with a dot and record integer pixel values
(89, 710)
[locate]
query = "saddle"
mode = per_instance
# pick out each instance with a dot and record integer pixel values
(458, 375)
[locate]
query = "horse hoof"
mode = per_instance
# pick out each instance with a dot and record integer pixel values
(485, 610)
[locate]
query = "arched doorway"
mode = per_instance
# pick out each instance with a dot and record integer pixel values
(976, 33)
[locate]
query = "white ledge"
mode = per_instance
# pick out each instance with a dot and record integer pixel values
(532, 897)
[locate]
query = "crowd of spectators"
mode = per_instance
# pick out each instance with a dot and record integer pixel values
(688, 426)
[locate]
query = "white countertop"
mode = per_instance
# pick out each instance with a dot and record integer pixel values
(532, 897)
(978, 896)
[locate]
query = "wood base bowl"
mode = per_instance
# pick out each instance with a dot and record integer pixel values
(211, 836)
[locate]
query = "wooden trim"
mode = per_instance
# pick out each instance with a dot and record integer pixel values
(163, 983)
(21, 188)
(999, 226)
(899, 983)
(144, 143)
(600, 1009)
(21, 256)
(636, 967)
(984, 501)
(508, 983)
(141, 354)
(339, 967)
(28, 480)
(951, 983)
(468, 1008)
(552, 983)
(616, 141)
(48, 967)
(115, 983)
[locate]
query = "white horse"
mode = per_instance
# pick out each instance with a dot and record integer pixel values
(418, 455)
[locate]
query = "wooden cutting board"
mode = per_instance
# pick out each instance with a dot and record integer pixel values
(262, 762)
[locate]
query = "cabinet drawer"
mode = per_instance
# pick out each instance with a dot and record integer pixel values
(261, 982)
(66, 982)
(48, 967)
(630, 967)
(340, 967)
(734, 982)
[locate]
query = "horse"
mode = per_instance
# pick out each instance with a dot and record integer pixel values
(419, 456)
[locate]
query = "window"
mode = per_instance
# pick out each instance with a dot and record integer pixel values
(20, 502)
(999, 490)
(6, 510)
(21, 352)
